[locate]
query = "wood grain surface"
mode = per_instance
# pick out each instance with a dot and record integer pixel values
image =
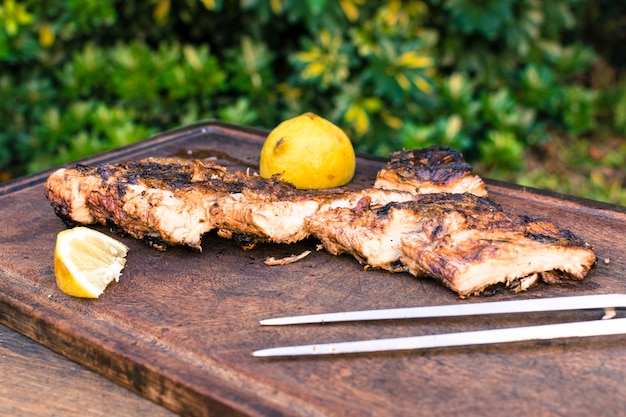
(180, 326)
(39, 382)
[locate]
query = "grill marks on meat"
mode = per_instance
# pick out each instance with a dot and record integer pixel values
(371, 235)
(280, 217)
(436, 169)
(426, 215)
(467, 242)
(175, 202)
(160, 200)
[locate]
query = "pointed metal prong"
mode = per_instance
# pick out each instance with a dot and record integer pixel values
(517, 334)
(601, 301)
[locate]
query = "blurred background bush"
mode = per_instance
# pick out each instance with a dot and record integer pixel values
(531, 91)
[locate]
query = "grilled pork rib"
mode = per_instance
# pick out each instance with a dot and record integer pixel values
(160, 200)
(464, 240)
(437, 169)
(280, 217)
(467, 242)
(175, 202)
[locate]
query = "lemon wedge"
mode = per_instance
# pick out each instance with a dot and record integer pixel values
(308, 151)
(87, 261)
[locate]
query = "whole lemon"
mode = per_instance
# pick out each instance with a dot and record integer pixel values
(309, 152)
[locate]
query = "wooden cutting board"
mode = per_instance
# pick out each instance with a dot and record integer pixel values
(180, 326)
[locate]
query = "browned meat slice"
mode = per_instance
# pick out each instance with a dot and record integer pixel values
(255, 215)
(417, 218)
(175, 202)
(372, 235)
(466, 242)
(162, 201)
(436, 169)
(478, 245)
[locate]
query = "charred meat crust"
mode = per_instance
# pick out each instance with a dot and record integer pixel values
(433, 169)
(467, 242)
(436, 164)
(473, 244)
(426, 215)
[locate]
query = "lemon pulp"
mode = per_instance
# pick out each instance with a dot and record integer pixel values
(87, 261)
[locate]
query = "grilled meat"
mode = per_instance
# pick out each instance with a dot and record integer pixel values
(467, 242)
(437, 169)
(477, 245)
(372, 235)
(279, 217)
(175, 202)
(160, 200)
(419, 218)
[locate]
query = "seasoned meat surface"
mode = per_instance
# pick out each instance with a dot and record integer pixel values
(425, 215)
(467, 242)
(437, 169)
(160, 200)
(175, 202)
(370, 234)
(281, 219)
(477, 244)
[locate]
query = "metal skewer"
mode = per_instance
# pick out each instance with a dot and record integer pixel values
(608, 302)
(456, 310)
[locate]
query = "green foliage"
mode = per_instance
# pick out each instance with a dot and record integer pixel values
(595, 171)
(492, 78)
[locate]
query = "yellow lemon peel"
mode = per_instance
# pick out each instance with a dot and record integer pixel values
(87, 261)
(310, 152)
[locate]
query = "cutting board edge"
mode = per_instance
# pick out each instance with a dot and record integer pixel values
(210, 396)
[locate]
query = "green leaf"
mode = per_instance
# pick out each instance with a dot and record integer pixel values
(316, 6)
